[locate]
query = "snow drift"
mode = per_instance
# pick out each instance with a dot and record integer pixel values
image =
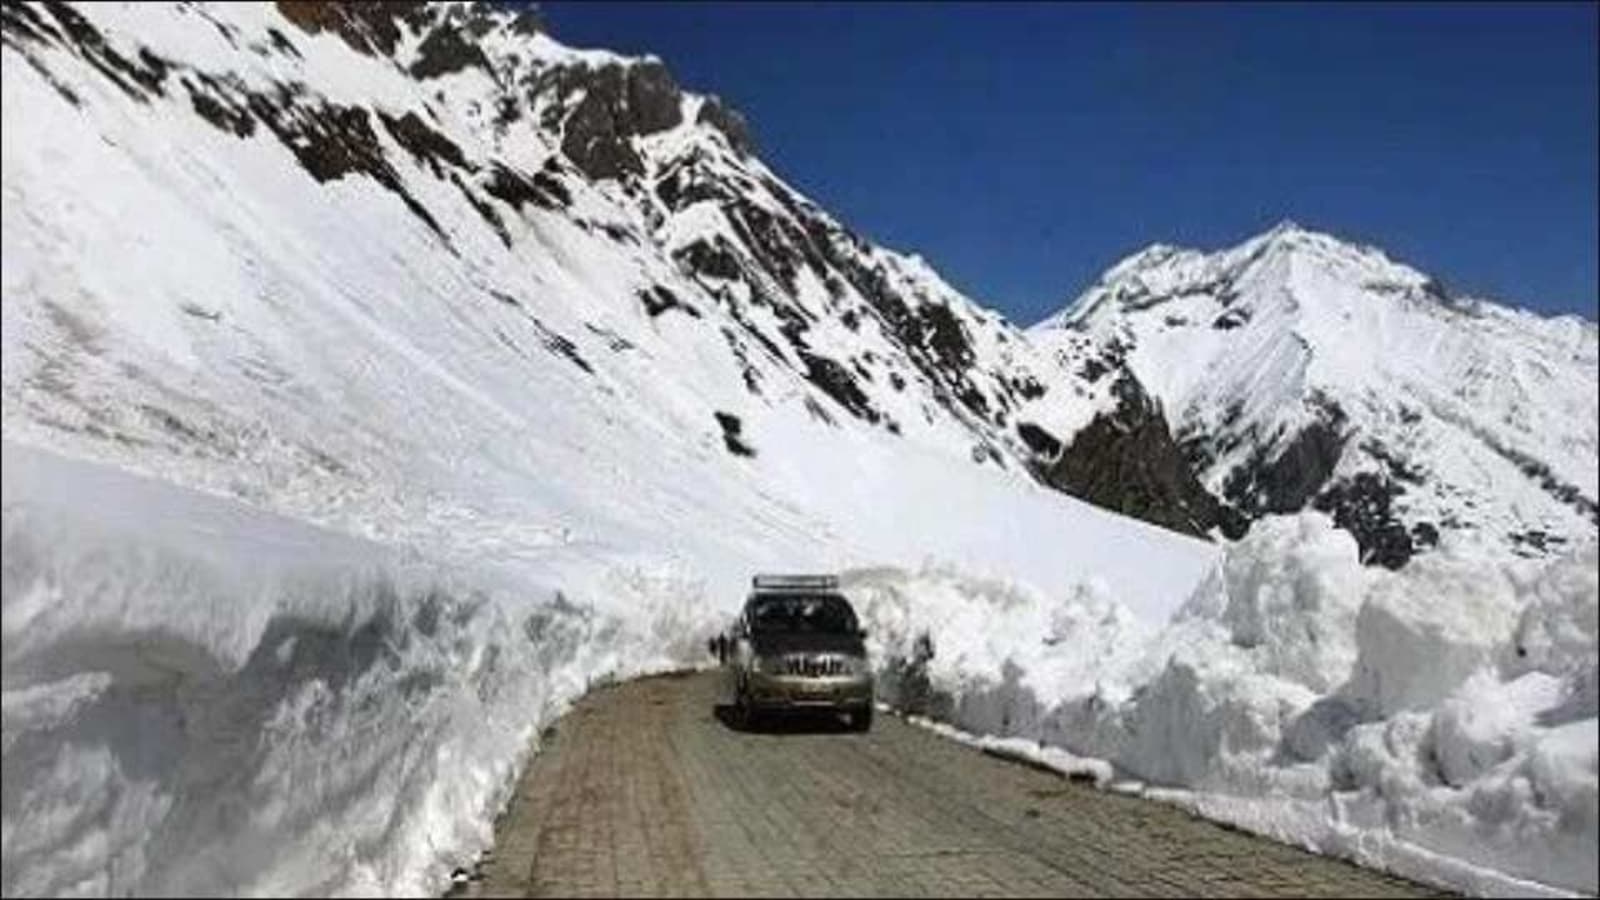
(1439, 721)
(201, 698)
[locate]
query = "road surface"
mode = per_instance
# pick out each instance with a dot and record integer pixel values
(645, 789)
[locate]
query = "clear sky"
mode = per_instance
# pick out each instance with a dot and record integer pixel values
(1024, 148)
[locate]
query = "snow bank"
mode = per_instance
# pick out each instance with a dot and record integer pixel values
(202, 698)
(1439, 721)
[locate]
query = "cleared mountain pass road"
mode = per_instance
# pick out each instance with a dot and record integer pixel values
(645, 789)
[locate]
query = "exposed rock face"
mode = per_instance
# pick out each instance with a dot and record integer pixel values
(1363, 505)
(619, 103)
(730, 122)
(446, 50)
(1127, 460)
(368, 26)
(1286, 481)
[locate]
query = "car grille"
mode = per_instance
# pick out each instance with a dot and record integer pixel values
(815, 666)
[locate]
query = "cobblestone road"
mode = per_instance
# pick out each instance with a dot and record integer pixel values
(644, 791)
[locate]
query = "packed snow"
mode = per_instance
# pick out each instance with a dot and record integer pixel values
(1438, 722)
(203, 698)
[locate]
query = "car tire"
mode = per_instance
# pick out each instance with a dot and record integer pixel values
(744, 712)
(861, 719)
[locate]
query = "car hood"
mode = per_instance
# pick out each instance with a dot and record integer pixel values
(778, 643)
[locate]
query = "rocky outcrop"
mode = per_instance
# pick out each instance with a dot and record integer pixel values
(619, 103)
(1285, 481)
(1127, 460)
(730, 123)
(368, 26)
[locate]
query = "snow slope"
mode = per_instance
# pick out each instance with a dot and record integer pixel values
(204, 698)
(1438, 722)
(351, 429)
(1301, 370)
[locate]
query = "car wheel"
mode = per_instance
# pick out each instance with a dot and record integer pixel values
(744, 713)
(861, 720)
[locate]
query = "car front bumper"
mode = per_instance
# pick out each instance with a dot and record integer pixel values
(845, 692)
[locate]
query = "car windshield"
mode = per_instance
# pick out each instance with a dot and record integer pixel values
(821, 613)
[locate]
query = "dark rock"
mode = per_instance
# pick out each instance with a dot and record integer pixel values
(560, 345)
(444, 51)
(139, 80)
(21, 22)
(484, 210)
(702, 258)
(684, 184)
(1424, 534)
(619, 103)
(218, 106)
(527, 21)
(1043, 444)
(616, 343)
(766, 236)
(660, 299)
(1126, 460)
(1286, 482)
(731, 426)
(367, 26)
(1029, 387)
(835, 381)
(1231, 319)
(1547, 480)
(973, 400)
(282, 44)
(728, 121)
(1435, 290)
(427, 146)
(1111, 357)
(1362, 505)
(1535, 542)
(1398, 469)
(333, 141)
(653, 102)
(516, 188)
(947, 338)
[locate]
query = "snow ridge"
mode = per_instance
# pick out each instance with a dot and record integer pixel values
(1302, 370)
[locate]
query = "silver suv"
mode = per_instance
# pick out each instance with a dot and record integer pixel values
(797, 646)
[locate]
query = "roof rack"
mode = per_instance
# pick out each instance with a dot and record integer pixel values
(790, 582)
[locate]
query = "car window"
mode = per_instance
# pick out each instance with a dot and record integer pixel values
(819, 613)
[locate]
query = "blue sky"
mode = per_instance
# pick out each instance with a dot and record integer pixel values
(1024, 148)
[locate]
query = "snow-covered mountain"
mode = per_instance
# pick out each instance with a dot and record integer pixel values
(565, 205)
(462, 367)
(376, 376)
(1300, 370)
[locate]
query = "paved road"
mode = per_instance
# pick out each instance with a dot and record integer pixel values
(644, 790)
